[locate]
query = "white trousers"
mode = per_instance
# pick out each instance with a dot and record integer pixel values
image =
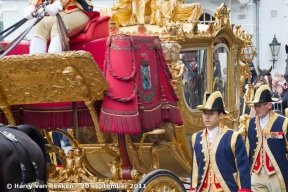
(264, 182)
(38, 45)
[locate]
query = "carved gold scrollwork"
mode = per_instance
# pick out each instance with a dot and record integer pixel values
(244, 69)
(222, 17)
(134, 156)
(157, 147)
(163, 183)
(161, 180)
(172, 54)
(233, 116)
(242, 128)
(195, 30)
(44, 78)
(211, 28)
(115, 169)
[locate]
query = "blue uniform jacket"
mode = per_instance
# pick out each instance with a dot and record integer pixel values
(228, 157)
(276, 148)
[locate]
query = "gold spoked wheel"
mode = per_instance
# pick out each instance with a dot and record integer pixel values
(159, 181)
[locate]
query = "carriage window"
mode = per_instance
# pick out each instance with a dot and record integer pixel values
(220, 69)
(194, 78)
(236, 83)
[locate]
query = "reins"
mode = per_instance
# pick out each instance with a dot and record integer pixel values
(38, 14)
(30, 186)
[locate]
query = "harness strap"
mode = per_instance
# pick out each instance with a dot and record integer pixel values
(14, 140)
(32, 162)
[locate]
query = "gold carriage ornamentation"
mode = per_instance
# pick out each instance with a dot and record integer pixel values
(200, 57)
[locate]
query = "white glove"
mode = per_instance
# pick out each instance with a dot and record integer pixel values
(54, 8)
(27, 12)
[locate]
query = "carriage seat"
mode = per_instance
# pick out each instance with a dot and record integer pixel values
(96, 28)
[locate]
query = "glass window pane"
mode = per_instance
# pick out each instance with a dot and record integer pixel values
(207, 17)
(220, 68)
(236, 83)
(195, 76)
(201, 18)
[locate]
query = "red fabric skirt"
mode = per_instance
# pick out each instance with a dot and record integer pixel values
(56, 115)
(141, 95)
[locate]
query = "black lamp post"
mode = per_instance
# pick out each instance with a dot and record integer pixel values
(275, 47)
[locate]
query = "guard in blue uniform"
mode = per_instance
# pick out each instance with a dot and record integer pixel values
(267, 145)
(220, 161)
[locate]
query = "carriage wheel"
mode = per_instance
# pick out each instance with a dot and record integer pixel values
(159, 180)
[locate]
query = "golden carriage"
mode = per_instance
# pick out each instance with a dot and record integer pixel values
(201, 57)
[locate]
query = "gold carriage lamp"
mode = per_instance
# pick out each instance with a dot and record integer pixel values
(248, 53)
(275, 48)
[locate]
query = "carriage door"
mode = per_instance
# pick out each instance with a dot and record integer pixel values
(220, 71)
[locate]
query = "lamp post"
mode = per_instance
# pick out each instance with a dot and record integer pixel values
(275, 47)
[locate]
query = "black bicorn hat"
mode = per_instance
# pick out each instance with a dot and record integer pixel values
(263, 95)
(213, 102)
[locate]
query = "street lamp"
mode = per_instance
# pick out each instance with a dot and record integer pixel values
(275, 47)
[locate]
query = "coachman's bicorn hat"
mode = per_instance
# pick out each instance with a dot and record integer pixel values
(213, 102)
(263, 95)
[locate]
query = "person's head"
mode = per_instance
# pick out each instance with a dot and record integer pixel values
(212, 109)
(279, 89)
(276, 74)
(281, 78)
(215, 56)
(211, 118)
(193, 61)
(225, 71)
(262, 101)
(262, 109)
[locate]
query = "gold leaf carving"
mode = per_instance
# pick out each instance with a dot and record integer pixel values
(69, 76)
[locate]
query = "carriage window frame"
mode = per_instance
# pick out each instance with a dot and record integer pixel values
(206, 82)
(227, 91)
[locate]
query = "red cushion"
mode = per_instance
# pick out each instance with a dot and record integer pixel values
(93, 14)
(97, 28)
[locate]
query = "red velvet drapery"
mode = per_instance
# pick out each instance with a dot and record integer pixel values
(140, 94)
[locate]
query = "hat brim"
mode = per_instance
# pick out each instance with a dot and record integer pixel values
(203, 108)
(257, 101)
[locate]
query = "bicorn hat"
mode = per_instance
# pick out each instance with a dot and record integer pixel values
(213, 102)
(263, 95)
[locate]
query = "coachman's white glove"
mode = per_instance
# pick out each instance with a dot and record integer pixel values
(27, 12)
(54, 8)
